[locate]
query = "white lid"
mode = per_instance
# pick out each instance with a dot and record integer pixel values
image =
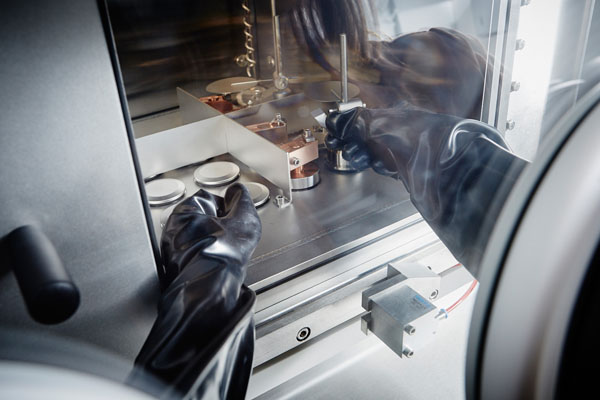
(164, 191)
(258, 192)
(216, 173)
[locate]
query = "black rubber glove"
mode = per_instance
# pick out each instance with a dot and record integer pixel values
(204, 332)
(458, 172)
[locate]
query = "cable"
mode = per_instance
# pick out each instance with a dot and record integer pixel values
(463, 297)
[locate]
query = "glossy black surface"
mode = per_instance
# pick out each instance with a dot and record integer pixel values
(204, 332)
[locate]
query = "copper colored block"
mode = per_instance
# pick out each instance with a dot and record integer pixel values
(218, 103)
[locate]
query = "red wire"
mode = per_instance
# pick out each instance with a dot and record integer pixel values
(463, 297)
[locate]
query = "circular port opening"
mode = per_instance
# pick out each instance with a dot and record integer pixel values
(303, 334)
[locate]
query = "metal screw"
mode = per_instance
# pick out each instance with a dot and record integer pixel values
(303, 334)
(278, 120)
(295, 161)
(279, 200)
(407, 352)
(434, 294)
(520, 44)
(515, 86)
(308, 136)
(510, 124)
(410, 330)
(525, 2)
(241, 60)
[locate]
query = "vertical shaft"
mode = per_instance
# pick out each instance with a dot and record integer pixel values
(277, 45)
(344, 67)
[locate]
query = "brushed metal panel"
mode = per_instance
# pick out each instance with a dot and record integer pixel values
(67, 167)
(258, 153)
(181, 146)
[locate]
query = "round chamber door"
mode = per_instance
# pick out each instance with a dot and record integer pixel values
(531, 334)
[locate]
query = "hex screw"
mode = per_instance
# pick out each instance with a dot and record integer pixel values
(410, 330)
(510, 124)
(433, 294)
(515, 86)
(407, 352)
(308, 135)
(279, 200)
(525, 3)
(520, 44)
(295, 161)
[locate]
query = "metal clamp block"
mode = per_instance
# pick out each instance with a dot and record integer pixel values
(399, 312)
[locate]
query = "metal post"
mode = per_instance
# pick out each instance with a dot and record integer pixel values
(344, 67)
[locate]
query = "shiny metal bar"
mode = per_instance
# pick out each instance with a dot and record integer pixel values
(344, 67)
(277, 46)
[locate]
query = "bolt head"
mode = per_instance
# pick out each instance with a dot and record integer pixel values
(520, 44)
(510, 124)
(241, 60)
(295, 161)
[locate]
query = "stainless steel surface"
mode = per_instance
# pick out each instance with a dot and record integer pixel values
(502, 38)
(556, 245)
(339, 215)
(217, 173)
(397, 307)
(533, 64)
(192, 109)
(337, 364)
(330, 295)
(197, 141)
(263, 156)
(181, 146)
(337, 161)
(505, 92)
(162, 192)
(343, 68)
(307, 178)
(60, 111)
(258, 192)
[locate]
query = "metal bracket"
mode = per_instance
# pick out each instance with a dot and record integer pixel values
(399, 310)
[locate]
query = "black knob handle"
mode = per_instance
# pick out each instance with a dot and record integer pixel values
(49, 292)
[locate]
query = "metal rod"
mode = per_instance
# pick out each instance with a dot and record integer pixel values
(273, 11)
(277, 45)
(344, 67)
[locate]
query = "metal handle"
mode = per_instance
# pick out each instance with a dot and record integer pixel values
(49, 292)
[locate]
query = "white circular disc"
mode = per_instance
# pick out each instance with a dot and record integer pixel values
(216, 173)
(258, 192)
(231, 85)
(161, 192)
